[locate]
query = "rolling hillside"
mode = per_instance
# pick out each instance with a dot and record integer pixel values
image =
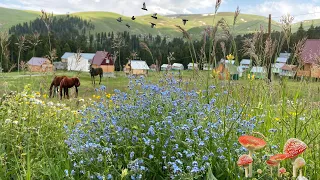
(106, 22)
(10, 17)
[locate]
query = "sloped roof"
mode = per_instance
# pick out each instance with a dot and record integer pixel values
(139, 64)
(258, 69)
(281, 60)
(177, 65)
(278, 65)
(84, 55)
(100, 58)
(311, 51)
(66, 55)
(245, 61)
(288, 67)
(191, 64)
(227, 61)
(284, 55)
(36, 61)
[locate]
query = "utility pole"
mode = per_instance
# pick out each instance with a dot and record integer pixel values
(269, 61)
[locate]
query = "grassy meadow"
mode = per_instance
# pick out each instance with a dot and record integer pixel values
(164, 126)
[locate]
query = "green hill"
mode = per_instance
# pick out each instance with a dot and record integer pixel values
(106, 22)
(10, 17)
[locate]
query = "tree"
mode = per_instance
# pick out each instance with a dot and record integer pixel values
(21, 46)
(35, 41)
(301, 33)
(311, 33)
(66, 48)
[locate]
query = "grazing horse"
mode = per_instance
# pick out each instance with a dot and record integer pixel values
(67, 83)
(56, 83)
(94, 72)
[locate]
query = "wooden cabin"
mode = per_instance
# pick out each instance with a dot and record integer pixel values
(37, 64)
(136, 67)
(310, 56)
(104, 60)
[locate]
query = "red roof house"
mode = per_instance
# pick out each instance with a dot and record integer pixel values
(104, 60)
(310, 59)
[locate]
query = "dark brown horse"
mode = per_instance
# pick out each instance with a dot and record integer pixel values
(56, 83)
(67, 83)
(94, 72)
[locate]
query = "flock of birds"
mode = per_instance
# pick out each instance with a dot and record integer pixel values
(154, 16)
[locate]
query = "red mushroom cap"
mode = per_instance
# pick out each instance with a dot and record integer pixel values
(279, 157)
(282, 170)
(251, 142)
(294, 147)
(244, 160)
(272, 163)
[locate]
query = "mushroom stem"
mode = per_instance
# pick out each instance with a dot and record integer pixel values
(250, 165)
(300, 172)
(246, 171)
(279, 175)
(294, 171)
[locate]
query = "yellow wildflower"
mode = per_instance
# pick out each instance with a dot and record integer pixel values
(249, 76)
(94, 96)
(110, 101)
(252, 77)
(277, 119)
(124, 173)
(98, 97)
(230, 57)
(45, 96)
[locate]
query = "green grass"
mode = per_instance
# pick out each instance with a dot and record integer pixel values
(42, 154)
(10, 17)
(106, 22)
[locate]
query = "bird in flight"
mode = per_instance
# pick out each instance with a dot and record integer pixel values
(133, 18)
(152, 25)
(184, 21)
(119, 19)
(154, 16)
(144, 7)
(128, 25)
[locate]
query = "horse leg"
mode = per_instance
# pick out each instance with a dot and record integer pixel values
(67, 93)
(60, 93)
(76, 92)
(100, 79)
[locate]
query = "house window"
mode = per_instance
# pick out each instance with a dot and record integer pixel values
(107, 61)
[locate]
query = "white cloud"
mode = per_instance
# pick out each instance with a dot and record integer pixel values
(301, 11)
(125, 7)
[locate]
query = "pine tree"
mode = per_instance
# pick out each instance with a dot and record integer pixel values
(66, 48)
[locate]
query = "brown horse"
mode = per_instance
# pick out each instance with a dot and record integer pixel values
(56, 83)
(67, 83)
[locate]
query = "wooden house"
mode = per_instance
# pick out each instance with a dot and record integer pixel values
(37, 64)
(136, 67)
(310, 59)
(288, 70)
(104, 60)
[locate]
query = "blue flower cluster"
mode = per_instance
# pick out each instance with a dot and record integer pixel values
(156, 130)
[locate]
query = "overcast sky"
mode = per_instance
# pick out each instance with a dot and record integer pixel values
(133, 7)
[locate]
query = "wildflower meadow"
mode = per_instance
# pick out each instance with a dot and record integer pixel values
(197, 124)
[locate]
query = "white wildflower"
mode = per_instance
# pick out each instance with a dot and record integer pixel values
(15, 122)
(7, 121)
